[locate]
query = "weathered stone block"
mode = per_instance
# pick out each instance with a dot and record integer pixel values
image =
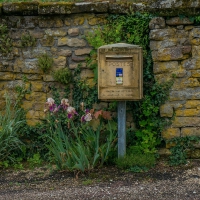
(186, 121)
(185, 94)
(90, 82)
(157, 23)
(192, 104)
(48, 78)
(50, 22)
(75, 65)
(39, 106)
(171, 133)
(96, 20)
(163, 67)
(195, 33)
(21, 8)
(166, 110)
(36, 97)
(78, 58)
(28, 53)
(195, 73)
(180, 73)
(191, 82)
(7, 76)
(163, 78)
(38, 86)
(60, 62)
(73, 32)
(190, 64)
(56, 32)
(28, 22)
(86, 73)
(186, 49)
(29, 76)
(47, 41)
(191, 131)
(155, 45)
(179, 21)
(72, 42)
(61, 52)
(80, 52)
(27, 105)
(187, 113)
(32, 114)
(55, 8)
(74, 21)
(97, 7)
(162, 34)
(167, 54)
(37, 33)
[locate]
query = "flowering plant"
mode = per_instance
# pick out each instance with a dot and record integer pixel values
(64, 106)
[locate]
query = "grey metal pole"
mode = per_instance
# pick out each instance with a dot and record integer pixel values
(121, 113)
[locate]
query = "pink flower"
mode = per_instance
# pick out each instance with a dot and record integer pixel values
(51, 104)
(88, 117)
(71, 112)
(64, 103)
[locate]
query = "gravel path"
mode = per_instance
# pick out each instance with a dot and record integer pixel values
(162, 182)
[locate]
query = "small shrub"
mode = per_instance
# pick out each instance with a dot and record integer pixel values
(27, 40)
(45, 62)
(5, 40)
(136, 162)
(35, 160)
(63, 76)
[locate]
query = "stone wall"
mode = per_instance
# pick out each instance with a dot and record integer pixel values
(60, 28)
(62, 38)
(175, 45)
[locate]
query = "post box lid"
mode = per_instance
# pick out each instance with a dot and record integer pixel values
(120, 45)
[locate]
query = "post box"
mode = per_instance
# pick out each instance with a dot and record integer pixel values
(120, 72)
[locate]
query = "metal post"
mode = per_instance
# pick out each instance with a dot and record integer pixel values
(121, 113)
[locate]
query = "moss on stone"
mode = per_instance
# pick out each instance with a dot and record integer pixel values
(55, 8)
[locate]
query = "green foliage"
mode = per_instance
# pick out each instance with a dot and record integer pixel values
(180, 149)
(5, 40)
(136, 160)
(22, 90)
(45, 62)
(83, 92)
(71, 152)
(63, 76)
(35, 161)
(10, 124)
(148, 117)
(27, 40)
(34, 138)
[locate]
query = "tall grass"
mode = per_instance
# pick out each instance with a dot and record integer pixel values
(10, 123)
(83, 149)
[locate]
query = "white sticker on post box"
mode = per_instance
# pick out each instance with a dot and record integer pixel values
(119, 75)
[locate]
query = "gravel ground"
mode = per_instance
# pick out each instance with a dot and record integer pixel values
(161, 182)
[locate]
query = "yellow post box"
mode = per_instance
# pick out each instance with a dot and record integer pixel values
(120, 72)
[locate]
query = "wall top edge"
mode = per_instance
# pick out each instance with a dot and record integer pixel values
(158, 7)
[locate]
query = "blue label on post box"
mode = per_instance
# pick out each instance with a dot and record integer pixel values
(119, 75)
(119, 72)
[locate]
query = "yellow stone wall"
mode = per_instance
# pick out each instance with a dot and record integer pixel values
(175, 49)
(63, 38)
